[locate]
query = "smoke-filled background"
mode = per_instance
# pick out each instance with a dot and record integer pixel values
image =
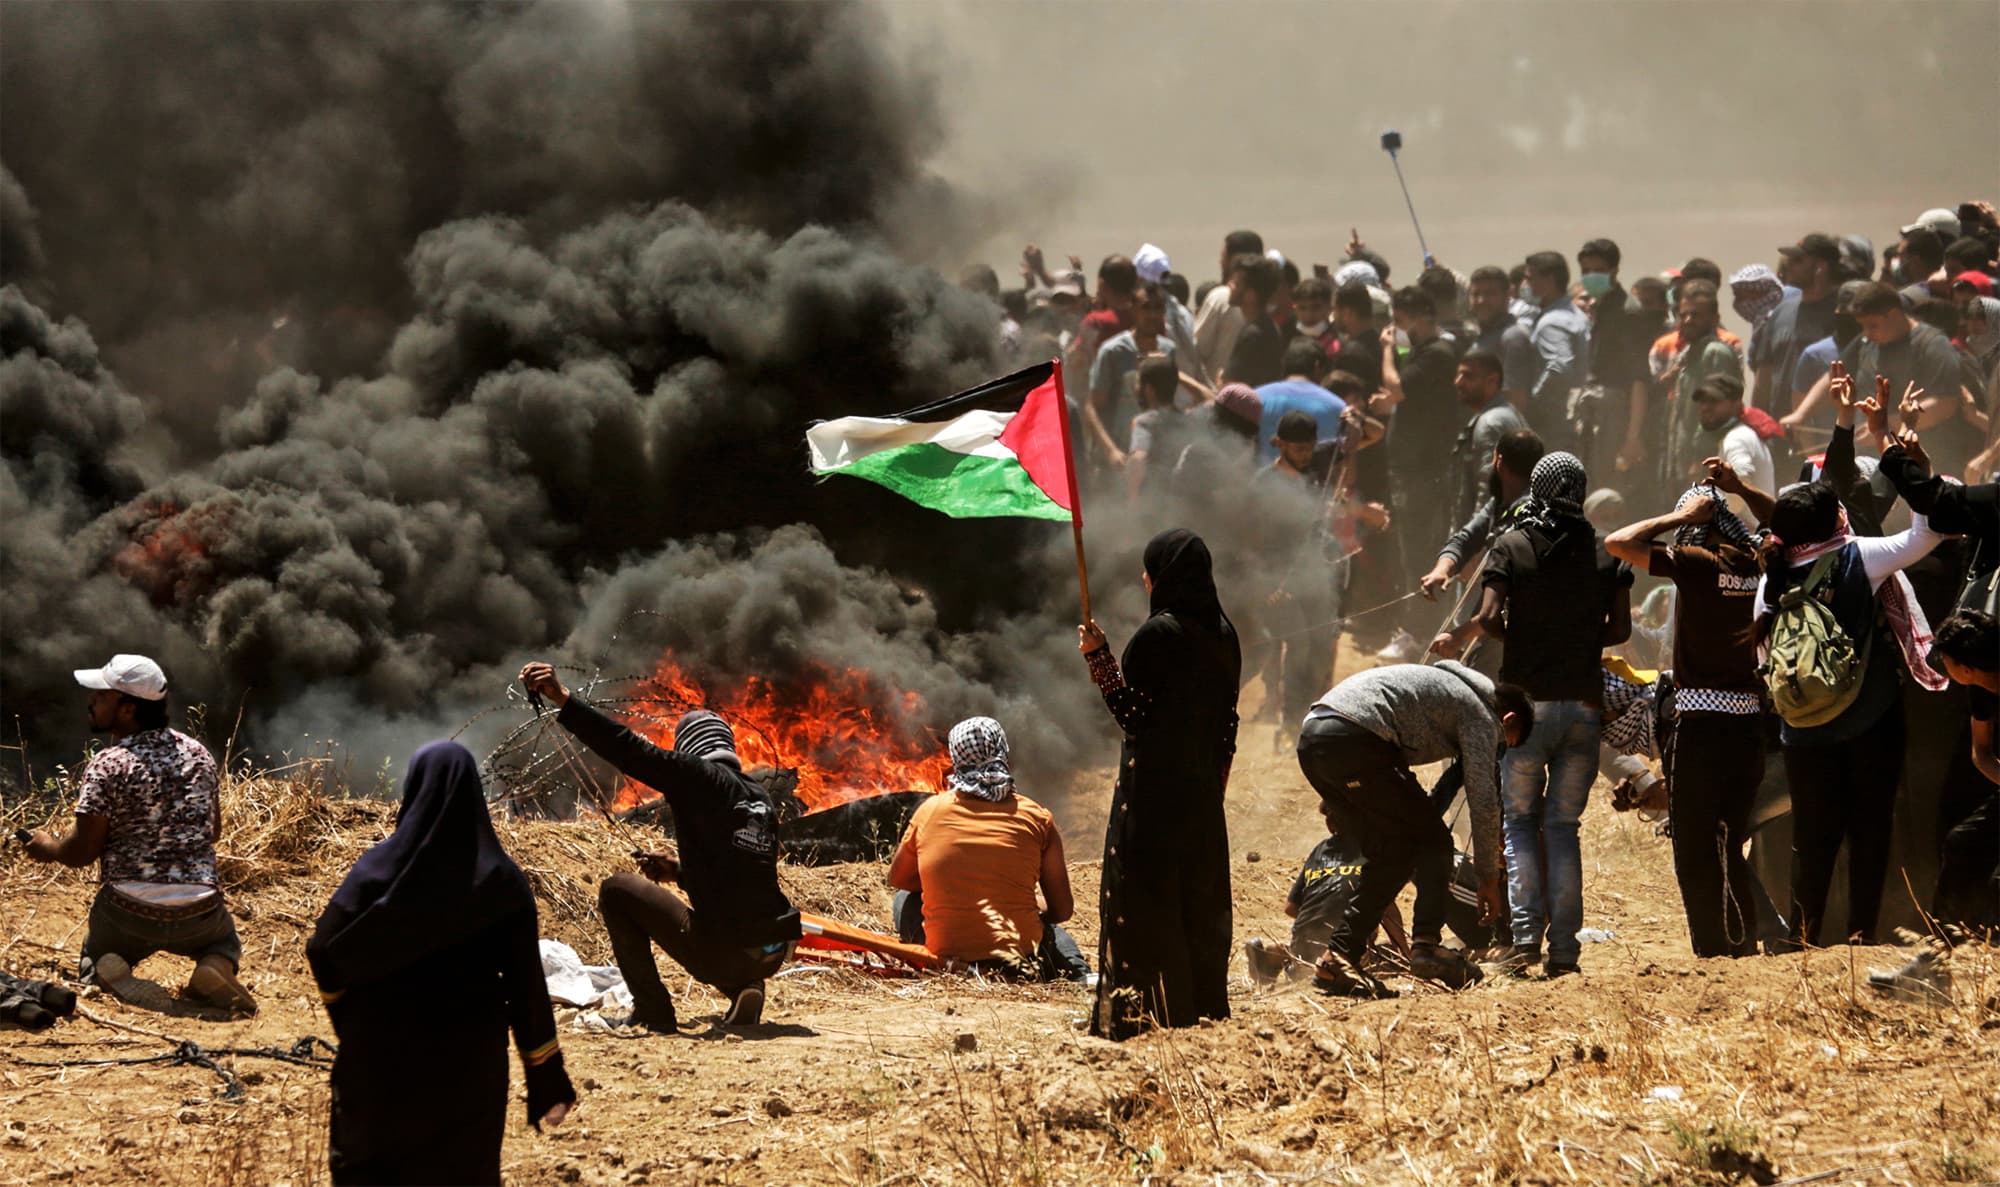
(354, 354)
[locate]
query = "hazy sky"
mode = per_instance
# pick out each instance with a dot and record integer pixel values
(1677, 128)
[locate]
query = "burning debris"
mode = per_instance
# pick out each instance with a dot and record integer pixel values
(846, 760)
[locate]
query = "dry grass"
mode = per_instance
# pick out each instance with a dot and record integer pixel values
(1790, 1062)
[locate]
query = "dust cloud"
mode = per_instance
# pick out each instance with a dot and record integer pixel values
(1676, 129)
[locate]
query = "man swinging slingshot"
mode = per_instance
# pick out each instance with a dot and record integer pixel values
(735, 927)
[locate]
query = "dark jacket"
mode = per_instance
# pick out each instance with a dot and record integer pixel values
(725, 822)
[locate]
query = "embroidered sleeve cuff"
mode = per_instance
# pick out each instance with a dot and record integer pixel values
(1104, 671)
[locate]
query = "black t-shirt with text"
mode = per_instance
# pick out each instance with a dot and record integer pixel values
(1321, 892)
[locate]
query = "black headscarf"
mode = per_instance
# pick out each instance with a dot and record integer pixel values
(438, 879)
(1183, 578)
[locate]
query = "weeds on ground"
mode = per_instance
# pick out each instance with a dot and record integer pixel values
(1963, 1166)
(1725, 1147)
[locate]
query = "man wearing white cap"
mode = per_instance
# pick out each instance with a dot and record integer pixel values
(149, 811)
(1153, 265)
(1938, 221)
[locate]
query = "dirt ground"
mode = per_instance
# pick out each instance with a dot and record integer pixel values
(1652, 1067)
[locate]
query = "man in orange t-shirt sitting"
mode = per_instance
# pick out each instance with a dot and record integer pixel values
(969, 863)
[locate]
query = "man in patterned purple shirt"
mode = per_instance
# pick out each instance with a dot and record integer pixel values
(149, 811)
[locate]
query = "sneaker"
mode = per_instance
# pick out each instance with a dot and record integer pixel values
(1560, 968)
(217, 986)
(1339, 977)
(1448, 967)
(1924, 978)
(746, 1006)
(1265, 962)
(1403, 648)
(1515, 963)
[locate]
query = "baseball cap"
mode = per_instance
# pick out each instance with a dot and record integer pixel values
(1297, 427)
(1944, 222)
(1151, 263)
(1848, 293)
(133, 675)
(1816, 245)
(1857, 254)
(1978, 282)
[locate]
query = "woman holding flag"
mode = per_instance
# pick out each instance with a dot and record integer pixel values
(1165, 944)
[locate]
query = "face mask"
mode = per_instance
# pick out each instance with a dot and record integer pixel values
(1525, 293)
(1312, 329)
(1894, 275)
(1846, 328)
(1596, 283)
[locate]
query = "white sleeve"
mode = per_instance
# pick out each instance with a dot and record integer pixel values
(1739, 454)
(1884, 556)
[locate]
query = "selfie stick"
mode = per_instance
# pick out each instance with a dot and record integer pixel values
(1391, 141)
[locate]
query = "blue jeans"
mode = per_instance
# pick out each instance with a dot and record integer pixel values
(1544, 787)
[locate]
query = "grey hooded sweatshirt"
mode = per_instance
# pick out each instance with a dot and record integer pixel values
(1434, 713)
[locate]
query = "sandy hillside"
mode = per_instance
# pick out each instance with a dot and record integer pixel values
(1652, 1067)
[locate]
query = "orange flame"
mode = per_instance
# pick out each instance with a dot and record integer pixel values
(848, 737)
(167, 553)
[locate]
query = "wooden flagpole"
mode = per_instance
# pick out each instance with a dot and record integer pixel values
(1075, 495)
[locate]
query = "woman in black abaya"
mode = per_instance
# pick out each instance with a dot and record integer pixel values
(1166, 914)
(426, 957)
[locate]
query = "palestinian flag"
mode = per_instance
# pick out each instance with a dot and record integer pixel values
(999, 449)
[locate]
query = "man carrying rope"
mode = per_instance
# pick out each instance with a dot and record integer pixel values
(736, 927)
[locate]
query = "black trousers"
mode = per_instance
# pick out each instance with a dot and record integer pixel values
(1377, 804)
(1844, 791)
(639, 913)
(1968, 885)
(1717, 762)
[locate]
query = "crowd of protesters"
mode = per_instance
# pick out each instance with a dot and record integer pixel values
(1800, 505)
(1546, 446)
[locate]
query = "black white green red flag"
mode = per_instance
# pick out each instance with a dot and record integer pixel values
(999, 449)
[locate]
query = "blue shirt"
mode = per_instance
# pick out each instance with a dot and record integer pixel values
(1505, 338)
(1296, 395)
(1562, 339)
(1112, 374)
(1814, 361)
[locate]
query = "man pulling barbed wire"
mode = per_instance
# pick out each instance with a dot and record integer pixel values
(736, 927)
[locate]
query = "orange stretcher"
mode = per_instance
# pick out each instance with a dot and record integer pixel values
(828, 941)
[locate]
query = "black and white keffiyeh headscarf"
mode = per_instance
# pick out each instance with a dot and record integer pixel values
(1557, 488)
(979, 760)
(1724, 524)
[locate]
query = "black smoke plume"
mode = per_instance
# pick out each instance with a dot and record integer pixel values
(443, 337)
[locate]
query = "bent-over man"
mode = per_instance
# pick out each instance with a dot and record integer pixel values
(1358, 745)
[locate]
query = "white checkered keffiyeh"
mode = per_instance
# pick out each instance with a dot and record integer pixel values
(979, 760)
(1629, 716)
(1714, 700)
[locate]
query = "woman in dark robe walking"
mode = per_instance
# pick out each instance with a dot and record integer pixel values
(1165, 946)
(426, 957)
